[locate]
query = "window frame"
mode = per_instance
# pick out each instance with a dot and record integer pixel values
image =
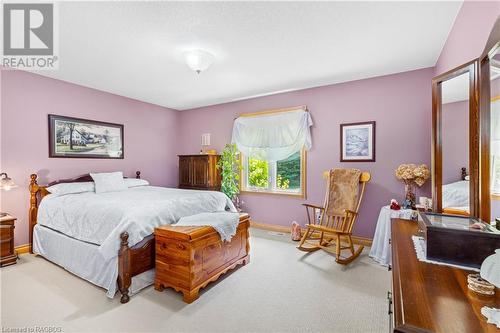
(245, 189)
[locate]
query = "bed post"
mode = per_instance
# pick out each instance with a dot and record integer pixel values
(33, 210)
(124, 278)
(138, 174)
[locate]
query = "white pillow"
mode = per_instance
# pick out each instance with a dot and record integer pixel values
(108, 182)
(134, 182)
(71, 188)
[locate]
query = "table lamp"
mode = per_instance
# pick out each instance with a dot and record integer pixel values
(6, 184)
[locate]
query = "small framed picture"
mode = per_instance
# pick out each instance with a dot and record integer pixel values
(357, 142)
(83, 138)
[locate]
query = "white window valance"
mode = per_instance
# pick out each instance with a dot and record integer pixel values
(273, 136)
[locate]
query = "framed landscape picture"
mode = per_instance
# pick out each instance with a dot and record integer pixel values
(357, 142)
(83, 138)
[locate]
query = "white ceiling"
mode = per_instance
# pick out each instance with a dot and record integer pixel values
(135, 49)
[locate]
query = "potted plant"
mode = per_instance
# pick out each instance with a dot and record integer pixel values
(230, 166)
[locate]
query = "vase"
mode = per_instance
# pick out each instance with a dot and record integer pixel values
(410, 196)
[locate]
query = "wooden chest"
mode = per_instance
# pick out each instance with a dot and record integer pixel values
(452, 239)
(188, 258)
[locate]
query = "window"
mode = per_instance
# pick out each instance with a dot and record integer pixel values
(282, 177)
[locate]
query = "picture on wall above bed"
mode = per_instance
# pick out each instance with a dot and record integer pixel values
(82, 138)
(357, 142)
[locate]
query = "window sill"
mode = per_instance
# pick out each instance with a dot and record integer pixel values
(289, 194)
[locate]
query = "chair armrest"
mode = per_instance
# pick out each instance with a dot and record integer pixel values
(313, 206)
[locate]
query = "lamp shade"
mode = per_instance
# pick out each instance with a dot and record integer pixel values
(6, 183)
(205, 139)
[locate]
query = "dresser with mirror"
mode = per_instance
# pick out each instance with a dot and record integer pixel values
(430, 297)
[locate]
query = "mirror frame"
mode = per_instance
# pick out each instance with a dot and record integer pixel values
(492, 46)
(437, 154)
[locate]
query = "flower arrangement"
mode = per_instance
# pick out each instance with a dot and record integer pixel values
(411, 175)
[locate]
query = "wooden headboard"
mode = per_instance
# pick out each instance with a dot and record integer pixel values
(38, 192)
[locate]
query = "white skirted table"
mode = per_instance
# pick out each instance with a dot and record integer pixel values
(381, 248)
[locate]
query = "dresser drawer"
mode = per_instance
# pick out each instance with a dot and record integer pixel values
(6, 232)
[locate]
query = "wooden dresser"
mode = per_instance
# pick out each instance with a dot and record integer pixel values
(8, 255)
(199, 172)
(431, 298)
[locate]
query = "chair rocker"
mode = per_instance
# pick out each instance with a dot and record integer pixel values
(329, 226)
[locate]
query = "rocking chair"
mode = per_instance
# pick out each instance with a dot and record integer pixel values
(333, 223)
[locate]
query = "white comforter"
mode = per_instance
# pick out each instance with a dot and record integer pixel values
(101, 218)
(456, 194)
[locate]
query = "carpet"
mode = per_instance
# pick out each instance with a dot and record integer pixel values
(281, 290)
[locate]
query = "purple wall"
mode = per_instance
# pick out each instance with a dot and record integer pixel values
(468, 35)
(455, 138)
(401, 106)
(150, 136)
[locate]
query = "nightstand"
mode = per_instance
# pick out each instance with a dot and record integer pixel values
(8, 255)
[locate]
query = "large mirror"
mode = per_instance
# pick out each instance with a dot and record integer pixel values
(490, 128)
(455, 145)
(454, 160)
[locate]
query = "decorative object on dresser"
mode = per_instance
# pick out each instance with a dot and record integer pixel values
(458, 240)
(344, 193)
(229, 165)
(7, 252)
(479, 285)
(199, 172)
(490, 269)
(431, 298)
(83, 138)
(188, 258)
(357, 142)
(381, 246)
(6, 184)
(412, 175)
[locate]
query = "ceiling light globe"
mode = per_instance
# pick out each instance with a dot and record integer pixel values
(199, 60)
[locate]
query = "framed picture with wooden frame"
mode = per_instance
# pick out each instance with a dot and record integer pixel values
(357, 142)
(84, 138)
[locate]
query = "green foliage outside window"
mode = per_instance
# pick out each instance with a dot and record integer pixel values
(288, 172)
(258, 173)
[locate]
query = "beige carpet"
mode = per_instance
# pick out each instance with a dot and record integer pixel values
(281, 290)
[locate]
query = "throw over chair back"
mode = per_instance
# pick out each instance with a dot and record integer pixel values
(344, 192)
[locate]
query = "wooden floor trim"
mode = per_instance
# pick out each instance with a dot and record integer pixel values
(280, 228)
(25, 248)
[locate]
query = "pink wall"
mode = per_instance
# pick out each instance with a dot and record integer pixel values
(468, 35)
(401, 106)
(455, 140)
(150, 136)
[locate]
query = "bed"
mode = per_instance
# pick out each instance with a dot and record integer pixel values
(455, 196)
(111, 248)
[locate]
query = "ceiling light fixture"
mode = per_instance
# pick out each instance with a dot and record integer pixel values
(199, 60)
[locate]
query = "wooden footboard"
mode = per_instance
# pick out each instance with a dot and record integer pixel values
(133, 261)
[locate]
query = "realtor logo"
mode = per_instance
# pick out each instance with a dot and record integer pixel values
(29, 36)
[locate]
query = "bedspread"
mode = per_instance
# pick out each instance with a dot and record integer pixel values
(101, 218)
